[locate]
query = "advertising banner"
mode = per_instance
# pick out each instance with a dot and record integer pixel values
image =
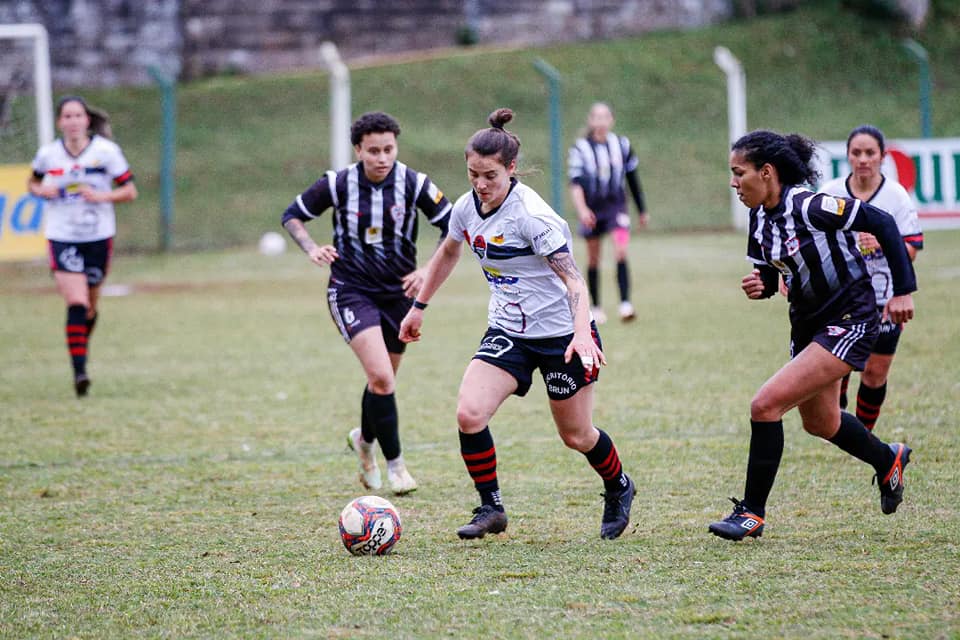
(21, 216)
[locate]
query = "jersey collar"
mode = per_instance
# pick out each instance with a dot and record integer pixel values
(477, 204)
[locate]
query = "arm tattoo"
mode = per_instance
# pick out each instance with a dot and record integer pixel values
(299, 233)
(563, 265)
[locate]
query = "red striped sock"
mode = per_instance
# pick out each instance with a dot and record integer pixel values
(76, 331)
(480, 456)
(869, 401)
(606, 462)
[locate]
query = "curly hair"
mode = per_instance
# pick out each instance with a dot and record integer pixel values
(373, 122)
(791, 155)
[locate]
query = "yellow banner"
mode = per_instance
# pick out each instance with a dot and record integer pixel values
(21, 216)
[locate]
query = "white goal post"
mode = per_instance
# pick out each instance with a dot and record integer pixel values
(41, 73)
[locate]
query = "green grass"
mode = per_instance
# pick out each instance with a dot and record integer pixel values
(247, 146)
(196, 492)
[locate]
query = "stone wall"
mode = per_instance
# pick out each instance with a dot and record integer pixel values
(113, 42)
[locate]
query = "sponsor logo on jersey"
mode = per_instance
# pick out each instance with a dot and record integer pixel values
(833, 205)
(781, 266)
(437, 198)
(495, 277)
(835, 331)
(479, 247)
(497, 239)
(560, 382)
(495, 346)
(792, 245)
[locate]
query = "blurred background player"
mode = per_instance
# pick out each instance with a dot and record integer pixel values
(598, 163)
(373, 274)
(866, 149)
(538, 317)
(833, 316)
(81, 175)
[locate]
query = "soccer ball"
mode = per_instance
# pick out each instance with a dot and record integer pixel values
(272, 244)
(369, 526)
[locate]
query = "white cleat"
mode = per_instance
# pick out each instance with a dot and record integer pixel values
(400, 480)
(627, 312)
(598, 315)
(369, 471)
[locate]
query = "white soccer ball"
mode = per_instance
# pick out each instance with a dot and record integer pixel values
(369, 526)
(272, 244)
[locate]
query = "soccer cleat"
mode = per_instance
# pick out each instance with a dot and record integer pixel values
(486, 519)
(616, 511)
(598, 315)
(369, 471)
(891, 487)
(81, 384)
(627, 312)
(739, 524)
(399, 479)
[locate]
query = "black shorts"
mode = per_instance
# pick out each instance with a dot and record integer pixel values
(520, 356)
(354, 310)
(607, 221)
(849, 335)
(886, 344)
(91, 258)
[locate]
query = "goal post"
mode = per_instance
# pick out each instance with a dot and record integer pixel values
(42, 84)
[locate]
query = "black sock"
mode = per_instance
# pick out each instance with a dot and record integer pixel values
(606, 462)
(593, 285)
(381, 411)
(91, 323)
(367, 431)
(766, 448)
(480, 456)
(623, 280)
(77, 337)
(869, 401)
(856, 440)
(843, 391)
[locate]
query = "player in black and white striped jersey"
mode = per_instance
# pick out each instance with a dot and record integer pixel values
(373, 273)
(598, 164)
(808, 238)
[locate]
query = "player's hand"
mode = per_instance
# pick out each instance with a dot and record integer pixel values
(899, 309)
(752, 284)
(643, 220)
(868, 242)
(587, 218)
(412, 283)
(591, 357)
(322, 255)
(410, 326)
(89, 194)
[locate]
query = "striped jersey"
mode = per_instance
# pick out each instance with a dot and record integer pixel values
(600, 168)
(807, 237)
(101, 165)
(527, 299)
(891, 197)
(374, 225)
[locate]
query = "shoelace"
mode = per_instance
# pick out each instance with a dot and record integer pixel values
(738, 509)
(611, 505)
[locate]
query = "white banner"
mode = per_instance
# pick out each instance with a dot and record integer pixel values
(928, 168)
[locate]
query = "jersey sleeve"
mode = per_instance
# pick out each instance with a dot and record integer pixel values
(40, 163)
(434, 205)
(576, 170)
(456, 225)
(908, 222)
(630, 161)
(754, 251)
(118, 168)
(545, 236)
(312, 202)
(831, 213)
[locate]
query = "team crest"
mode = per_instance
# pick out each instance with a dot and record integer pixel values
(479, 247)
(792, 245)
(835, 331)
(398, 212)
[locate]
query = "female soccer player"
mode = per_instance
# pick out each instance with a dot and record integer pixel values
(809, 238)
(373, 274)
(539, 319)
(598, 163)
(865, 152)
(81, 175)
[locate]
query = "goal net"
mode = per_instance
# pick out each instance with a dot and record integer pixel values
(26, 119)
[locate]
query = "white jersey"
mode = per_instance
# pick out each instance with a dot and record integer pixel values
(528, 299)
(892, 198)
(69, 218)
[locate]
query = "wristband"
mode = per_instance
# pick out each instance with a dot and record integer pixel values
(419, 305)
(62, 192)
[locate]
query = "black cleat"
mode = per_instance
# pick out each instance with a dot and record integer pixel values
(739, 524)
(616, 511)
(891, 487)
(486, 519)
(81, 383)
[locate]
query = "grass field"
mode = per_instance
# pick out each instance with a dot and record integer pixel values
(195, 493)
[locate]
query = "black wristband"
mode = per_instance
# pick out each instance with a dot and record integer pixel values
(419, 305)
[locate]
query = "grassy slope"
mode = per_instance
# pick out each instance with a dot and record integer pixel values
(247, 145)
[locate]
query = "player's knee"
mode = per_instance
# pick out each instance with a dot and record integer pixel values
(578, 440)
(381, 382)
(764, 409)
(470, 419)
(822, 428)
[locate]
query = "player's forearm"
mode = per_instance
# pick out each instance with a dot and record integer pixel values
(439, 268)
(298, 232)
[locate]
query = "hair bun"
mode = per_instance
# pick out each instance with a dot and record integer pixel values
(500, 117)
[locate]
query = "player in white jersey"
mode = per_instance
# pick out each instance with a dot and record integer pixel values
(80, 176)
(539, 318)
(865, 152)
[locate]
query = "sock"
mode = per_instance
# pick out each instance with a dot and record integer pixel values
(623, 280)
(869, 401)
(381, 412)
(854, 438)
(606, 462)
(593, 285)
(766, 448)
(367, 431)
(844, 384)
(480, 456)
(77, 337)
(91, 323)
